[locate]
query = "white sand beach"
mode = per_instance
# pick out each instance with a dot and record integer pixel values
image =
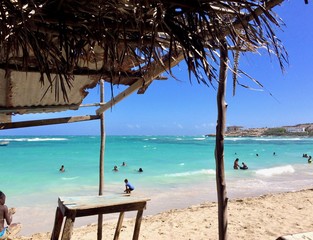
(264, 217)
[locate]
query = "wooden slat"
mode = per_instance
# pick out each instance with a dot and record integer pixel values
(51, 121)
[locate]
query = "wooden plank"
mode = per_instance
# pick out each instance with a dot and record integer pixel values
(82, 202)
(44, 122)
(110, 209)
(119, 226)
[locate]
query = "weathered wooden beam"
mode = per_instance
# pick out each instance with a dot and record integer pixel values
(155, 70)
(43, 122)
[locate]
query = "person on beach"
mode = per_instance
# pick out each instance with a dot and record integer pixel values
(244, 166)
(310, 159)
(62, 169)
(128, 186)
(236, 163)
(115, 169)
(6, 214)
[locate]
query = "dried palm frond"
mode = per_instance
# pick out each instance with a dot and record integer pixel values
(118, 40)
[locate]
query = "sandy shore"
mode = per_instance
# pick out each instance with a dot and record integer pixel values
(265, 217)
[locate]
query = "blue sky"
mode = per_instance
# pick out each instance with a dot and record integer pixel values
(174, 107)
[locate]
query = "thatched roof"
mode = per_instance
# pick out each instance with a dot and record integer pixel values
(120, 41)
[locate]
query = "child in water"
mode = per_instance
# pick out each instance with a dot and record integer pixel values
(244, 166)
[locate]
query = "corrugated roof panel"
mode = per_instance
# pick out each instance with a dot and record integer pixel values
(21, 90)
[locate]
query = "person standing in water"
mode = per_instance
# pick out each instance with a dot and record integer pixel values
(236, 163)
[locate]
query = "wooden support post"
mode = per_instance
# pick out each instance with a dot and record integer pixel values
(155, 70)
(119, 226)
(137, 224)
(219, 144)
(58, 221)
(101, 159)
(68, 226)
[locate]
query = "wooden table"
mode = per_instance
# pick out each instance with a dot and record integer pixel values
(72, 207)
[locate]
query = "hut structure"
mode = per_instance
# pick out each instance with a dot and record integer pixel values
(53, 51)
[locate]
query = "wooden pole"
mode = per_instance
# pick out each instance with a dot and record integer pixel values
(219, 144)
(44, 122)
(101, 165)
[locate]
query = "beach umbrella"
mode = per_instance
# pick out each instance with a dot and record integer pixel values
(68, 46)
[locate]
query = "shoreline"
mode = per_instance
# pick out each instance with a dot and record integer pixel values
(264, 217)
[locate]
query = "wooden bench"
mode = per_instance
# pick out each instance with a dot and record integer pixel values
(73, 207)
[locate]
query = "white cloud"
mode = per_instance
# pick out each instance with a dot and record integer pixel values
(131, 126)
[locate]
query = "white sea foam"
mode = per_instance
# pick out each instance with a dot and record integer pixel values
(69, 178)
(199, 139)
(192, 173)
(276, 139)
(264, 139)
(35, 139)
(268, 172)
(234, 138)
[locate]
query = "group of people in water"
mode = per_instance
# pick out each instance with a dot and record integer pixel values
(115, 168)
(237, 166)
(305, 155)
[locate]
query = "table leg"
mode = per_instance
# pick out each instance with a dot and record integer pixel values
(119, 226)
(68, 226)
(58, 221)
(137, 224)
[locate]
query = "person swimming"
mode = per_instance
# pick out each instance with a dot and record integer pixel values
(62, 169)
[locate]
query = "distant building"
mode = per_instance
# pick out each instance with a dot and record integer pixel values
(295, 129)
(234, 128)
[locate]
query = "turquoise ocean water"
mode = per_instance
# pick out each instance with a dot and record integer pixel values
(177, 170)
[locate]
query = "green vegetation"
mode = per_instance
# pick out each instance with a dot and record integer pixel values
(275, 132)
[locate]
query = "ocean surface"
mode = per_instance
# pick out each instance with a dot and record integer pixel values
(178, 171)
